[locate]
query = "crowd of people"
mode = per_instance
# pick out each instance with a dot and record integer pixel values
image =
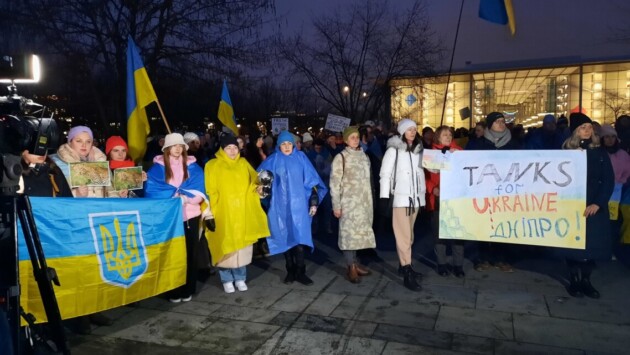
(357, 184)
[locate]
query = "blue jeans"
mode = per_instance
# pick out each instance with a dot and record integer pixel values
(229, 275)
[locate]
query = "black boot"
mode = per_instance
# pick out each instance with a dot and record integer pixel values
(300, 276)
(290, 265)
(588, 289)
(401, 272)
(574, 288)
(410, 279)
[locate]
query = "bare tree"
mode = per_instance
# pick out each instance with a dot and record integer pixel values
(183, 40)
(615, 101)
(356, 53)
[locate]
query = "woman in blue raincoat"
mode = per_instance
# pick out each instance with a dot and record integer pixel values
(296, 192)
(177, 175)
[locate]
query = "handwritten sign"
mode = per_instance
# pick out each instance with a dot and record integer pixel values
(336, 123)
(519, 197)
(436, 160)
(279, 124)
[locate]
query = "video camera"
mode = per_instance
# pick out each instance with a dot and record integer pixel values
(19, 129)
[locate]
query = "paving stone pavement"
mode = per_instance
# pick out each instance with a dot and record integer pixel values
(491, 312)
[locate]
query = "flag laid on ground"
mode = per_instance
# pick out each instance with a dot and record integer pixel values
(139, 95)
(498, 11)
(226, 111)
(107, 252)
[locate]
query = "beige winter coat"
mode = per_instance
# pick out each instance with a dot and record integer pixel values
(66, 155)
(351, 192)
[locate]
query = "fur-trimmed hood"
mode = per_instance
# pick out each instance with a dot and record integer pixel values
(397, 142)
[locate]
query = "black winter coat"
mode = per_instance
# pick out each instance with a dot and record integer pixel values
(600, 182)
(41, 185)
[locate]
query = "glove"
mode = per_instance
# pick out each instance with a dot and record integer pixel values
(445, 149)
(313, 201)
(210, 224)
(383, 206)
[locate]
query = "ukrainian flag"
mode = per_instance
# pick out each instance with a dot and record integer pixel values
(226, 112)
(498, 11)
(139, 95)
(107, 252)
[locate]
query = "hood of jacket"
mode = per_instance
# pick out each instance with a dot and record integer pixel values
(397, 142)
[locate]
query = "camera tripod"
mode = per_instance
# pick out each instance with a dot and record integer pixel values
(13, 208)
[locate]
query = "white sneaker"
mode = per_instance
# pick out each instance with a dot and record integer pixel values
(175, 300)
(187, 299)
(228, 287)
(240, 284)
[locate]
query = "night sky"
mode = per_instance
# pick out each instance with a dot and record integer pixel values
(544, 28)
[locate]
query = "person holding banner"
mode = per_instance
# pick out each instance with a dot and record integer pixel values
(176, 175)
(296, 192)
(600, 181)
(80, 148)
(496, 136)
(351, 193)
(239, 218)
(402, 177)
(443, 140)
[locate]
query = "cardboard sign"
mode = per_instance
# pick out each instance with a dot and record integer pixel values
(533, 197)
(279, 124)
(336, 123)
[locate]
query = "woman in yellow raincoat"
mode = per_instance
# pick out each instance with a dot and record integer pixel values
(239, 220)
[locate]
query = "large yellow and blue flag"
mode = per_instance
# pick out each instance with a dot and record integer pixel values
(140, 94)
(226, 111)
(498, 11)
(107, 252)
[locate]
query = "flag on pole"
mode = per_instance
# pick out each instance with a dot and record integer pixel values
(226, 112)
(498, 11)
(140, 94)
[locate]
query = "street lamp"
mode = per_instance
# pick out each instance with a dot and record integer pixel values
(346, 89)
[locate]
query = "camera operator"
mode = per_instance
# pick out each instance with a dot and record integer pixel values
(42, 177)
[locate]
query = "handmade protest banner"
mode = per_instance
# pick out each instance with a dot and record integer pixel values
(279, 124)
(336, 123)
(520, 197)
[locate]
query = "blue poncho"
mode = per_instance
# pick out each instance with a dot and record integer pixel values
(289, 221)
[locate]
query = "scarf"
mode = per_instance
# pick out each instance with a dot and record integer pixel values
(584, 143)
(498, 138)
(116, 164)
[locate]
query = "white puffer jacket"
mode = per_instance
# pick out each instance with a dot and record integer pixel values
(410, 185)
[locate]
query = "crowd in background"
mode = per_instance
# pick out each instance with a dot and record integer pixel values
(377, 185)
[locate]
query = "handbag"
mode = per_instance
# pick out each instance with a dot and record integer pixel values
(392, 188)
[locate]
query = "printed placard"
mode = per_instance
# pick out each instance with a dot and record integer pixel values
(89, 174)
(336, 123)
(128, 178)
(532, 197)
(279, 124)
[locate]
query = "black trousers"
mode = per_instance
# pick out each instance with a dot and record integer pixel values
(191, 232)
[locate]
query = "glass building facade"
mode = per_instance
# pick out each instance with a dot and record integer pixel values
(525, 96)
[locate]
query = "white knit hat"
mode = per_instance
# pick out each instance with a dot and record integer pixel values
(306, 137)
(404, 125)
(173, 139)
(190, 136)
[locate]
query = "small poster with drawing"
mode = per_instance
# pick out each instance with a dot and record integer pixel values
(90, 174)
(128, 178)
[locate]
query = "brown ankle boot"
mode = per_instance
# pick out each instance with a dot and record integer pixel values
(353, 275)
(362, 270)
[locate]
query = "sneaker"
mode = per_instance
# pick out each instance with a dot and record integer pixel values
(505, 267)
(174, 300)
(228, 287)
(240, 285)
(482, 266)
(187, 299)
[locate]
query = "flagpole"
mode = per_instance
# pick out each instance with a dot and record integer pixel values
(168, 128)
(450, 67)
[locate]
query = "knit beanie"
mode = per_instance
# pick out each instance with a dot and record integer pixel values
(348, 131)
(493, 116)
(114, 141)
(306, 137)
(74, 131)
(404, 125)
(190, 136)
(228, 139)
(577, 119)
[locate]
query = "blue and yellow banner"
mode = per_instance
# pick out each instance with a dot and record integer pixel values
(531, 197)
(140, 94)
(498, 11)
(107, 252)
